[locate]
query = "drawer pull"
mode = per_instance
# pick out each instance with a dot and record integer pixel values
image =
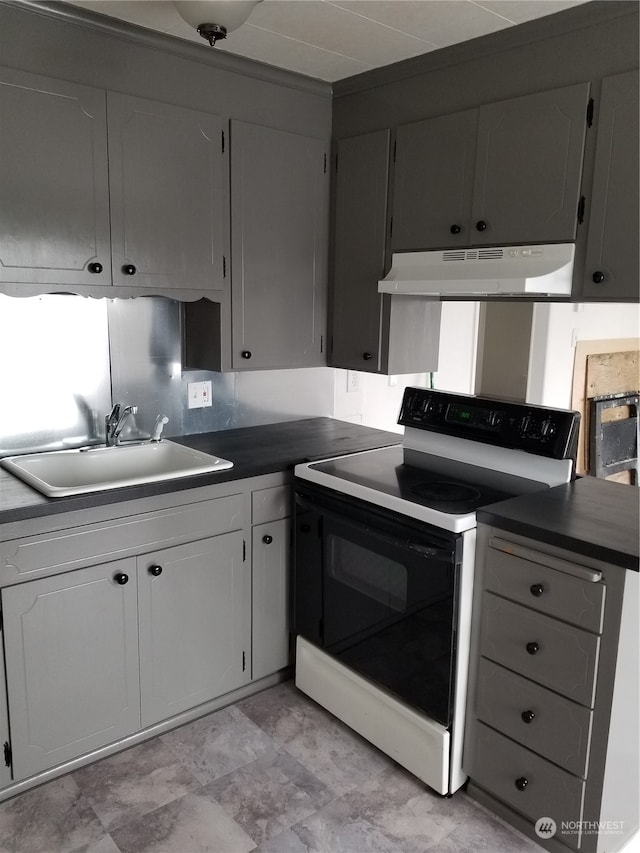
(537, 589)
(267, 539)
(155, 571)
(527, 716)
(533, 648)
(521, 783)
(121, 578)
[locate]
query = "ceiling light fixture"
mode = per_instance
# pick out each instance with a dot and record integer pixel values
(213, 19)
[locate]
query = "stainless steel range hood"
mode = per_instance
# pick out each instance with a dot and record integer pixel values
(490, 271)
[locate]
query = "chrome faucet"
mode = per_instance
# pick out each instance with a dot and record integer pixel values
(156, 435)
(114, 423)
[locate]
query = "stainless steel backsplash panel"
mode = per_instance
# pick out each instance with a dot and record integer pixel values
(64, 360)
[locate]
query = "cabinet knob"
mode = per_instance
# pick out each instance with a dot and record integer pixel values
(267, 539)
(129, 269)
(527, 716)
(521, 783)
(367, 356)
(533, 648)
(455, 229)
(537, 589)
(95, 268)
(121, 578)
(155, 570)
(246, 353)
(598, 277)
(481, 225)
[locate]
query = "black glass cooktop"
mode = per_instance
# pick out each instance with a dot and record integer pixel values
(441, 484)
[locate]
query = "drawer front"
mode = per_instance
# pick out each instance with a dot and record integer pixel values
(51, 553)
(529, 784)
(535, 717)
(550, 652)
(542, 588)
(270, 504)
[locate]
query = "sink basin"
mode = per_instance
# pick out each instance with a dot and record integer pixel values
(62, 473)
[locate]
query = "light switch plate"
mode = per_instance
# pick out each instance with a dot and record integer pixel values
(199, 394)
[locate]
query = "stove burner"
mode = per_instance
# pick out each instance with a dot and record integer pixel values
(445, 492)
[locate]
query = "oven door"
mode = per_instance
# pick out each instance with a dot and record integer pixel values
(378, 592)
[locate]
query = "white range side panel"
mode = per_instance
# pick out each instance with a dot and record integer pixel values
(415, 742)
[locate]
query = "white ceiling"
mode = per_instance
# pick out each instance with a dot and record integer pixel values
(334, 39)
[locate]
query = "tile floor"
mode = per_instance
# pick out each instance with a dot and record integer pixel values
(274, 773)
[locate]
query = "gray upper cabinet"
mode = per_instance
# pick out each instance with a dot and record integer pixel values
(508, 172)
(54, 215)
(611, 264)
(529, 167)
(434, 181)
(373, 332)
(279, 212)
(168, 195)
(99, 188)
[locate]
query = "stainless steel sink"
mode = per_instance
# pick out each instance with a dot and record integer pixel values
(75, 472)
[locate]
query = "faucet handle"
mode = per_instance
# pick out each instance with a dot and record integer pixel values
(161, 420)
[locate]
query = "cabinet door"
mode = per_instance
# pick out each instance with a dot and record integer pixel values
(611, 268)
(271, 547)
(359, 253)
(529, 168)
(433, 182)
(195, 624)
(54, 215)
(279, 213)
(168, 196)
(71, 645)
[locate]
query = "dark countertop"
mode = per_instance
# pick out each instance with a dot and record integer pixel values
(592, 517)
(253, 450)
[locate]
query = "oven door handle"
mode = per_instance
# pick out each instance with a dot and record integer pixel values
(432, 552)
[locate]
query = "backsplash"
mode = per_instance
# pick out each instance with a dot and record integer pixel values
(64, 360)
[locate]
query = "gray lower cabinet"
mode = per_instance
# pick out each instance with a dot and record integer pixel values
(71, 649)
(550, 743)
(279, 212)
(508, 172)
(270, 558)
(611, 265)
(54, 215)
(373, 332)
(194, 605)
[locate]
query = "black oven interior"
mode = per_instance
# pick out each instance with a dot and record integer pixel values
(378, 592)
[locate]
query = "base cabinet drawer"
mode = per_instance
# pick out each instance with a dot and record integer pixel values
(550, 652)
(548, 724)
(529, 784)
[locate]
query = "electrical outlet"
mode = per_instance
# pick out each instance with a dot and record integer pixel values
(354, 380)
(199, 394)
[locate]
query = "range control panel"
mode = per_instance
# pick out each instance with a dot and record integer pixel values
(520, 426)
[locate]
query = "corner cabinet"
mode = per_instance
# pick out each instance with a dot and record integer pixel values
(508, 172)
(102, 189)
(611, 265)
(373, 332)
(279, 213)
(553, 704)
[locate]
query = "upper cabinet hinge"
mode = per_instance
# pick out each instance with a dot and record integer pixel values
(244, 550)
(590, 107)
(224, 266)
(581, 206)
(223, 141)
(7, 753)
(325, 164)
(321, 343)
(244, 661)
